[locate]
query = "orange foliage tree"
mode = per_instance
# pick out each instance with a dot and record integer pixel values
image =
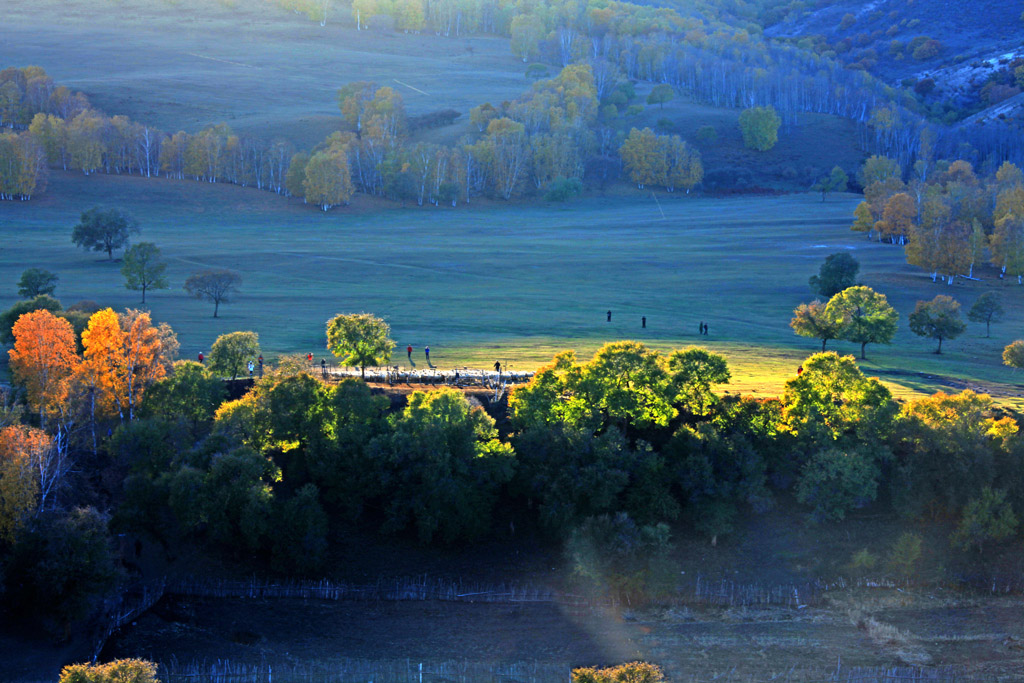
(44, 359)
(122, 357)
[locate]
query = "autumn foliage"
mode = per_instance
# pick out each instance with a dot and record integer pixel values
(44, 359)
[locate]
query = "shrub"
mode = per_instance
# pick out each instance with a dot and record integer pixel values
(562, 189)
(118, 671)
(927, 50)
(634, 672)
(905, 554)
(706, 134)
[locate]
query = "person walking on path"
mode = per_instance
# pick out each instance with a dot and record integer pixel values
(705, 329)
(426, 352)
(252, 367)
(700, 327)
(497, 367)
(200, 357)
(643, 321)
(408, 352)
(609, 316)
(260, 361)
(309, 357)
(323, 367)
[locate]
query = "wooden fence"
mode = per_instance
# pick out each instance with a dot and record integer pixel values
(409, 671)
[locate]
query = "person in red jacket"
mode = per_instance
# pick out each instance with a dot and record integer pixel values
(200, 357)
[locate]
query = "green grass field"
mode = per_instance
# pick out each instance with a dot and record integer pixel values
(264, 71)
(503, 281)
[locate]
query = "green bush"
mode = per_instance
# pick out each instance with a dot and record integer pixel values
(562, 189)
(760, 128)
(905, 554)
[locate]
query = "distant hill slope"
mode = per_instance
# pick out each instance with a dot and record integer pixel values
(975, 47)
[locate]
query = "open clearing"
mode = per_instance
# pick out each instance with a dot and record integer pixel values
(515, 283)
(255, 67)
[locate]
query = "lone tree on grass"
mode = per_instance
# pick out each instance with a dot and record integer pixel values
(104, 230)
(230, 352)
(937, 319)
(143, 269)
(836, 181)
(216, 286)
(865, 315)
(36, 281)
(359, 339)
(838, 272)
(661, 94)
(812, 320)
(987, 309)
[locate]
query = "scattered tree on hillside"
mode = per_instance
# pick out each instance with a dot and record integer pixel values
(865, 315)
(230, 352)
(836, 181)
(36, 281)
(838, 272)
(937, 319)
(760, 128)
(638, 672)
(104, 230)
(143, 269)
(660, 94)
(987, 309)
(359, 339)
(811, 320)
(216, 286)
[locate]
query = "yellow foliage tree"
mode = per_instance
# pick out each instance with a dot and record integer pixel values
(20, 449)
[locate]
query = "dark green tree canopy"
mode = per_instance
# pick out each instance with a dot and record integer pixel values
(104, 230)
(143, 268)
(36, 281)
(937, 319)
(838, 272)
(230, 352)
(987, 309)
(11, 315)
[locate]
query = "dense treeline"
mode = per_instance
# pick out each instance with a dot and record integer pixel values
(947, 218)
(716, 51)
(603, 453)
(61, 129)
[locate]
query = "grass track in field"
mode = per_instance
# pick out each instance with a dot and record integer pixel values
(506, 281)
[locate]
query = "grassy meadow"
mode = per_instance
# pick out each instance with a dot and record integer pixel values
(496, 281)
(263, 71)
